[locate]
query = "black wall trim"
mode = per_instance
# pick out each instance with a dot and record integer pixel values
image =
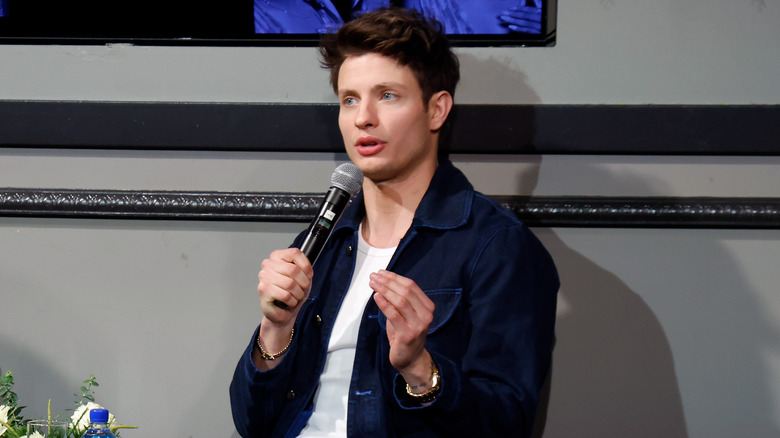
(647, 212)
(485, 129)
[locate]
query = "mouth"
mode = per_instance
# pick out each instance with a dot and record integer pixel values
(369, 145)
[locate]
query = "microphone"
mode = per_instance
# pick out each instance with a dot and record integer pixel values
(345, 183)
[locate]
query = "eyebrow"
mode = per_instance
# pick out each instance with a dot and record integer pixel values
(376, 88)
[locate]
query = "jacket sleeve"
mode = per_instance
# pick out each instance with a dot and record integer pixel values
(258, 397)
(493, 389)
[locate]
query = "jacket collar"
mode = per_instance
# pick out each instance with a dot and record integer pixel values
(445, 205)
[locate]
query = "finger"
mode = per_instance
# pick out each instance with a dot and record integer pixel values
(279, 279)
(281, 283)
(274, 313)
(283, 298)
(404, 304)
(399, 329)
(405, 341)
(398, 288)
(286, 273)
(387, 308)
(296, 257)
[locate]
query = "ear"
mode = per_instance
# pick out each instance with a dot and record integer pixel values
(439, 108)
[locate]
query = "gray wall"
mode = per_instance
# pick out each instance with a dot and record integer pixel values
(670, 333)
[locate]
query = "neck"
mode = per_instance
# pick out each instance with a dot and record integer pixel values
(390, 206)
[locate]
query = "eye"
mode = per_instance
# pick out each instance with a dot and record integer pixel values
(388, 96)
(349, 101)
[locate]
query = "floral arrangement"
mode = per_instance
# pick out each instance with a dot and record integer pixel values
(14, 425)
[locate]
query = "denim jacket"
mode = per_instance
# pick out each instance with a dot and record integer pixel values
(494, 286)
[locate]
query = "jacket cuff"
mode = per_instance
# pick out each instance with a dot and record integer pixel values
(449, 376)
(256, 375)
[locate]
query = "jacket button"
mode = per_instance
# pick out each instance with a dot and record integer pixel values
(290, 395)
(349, 250)
(318, 320)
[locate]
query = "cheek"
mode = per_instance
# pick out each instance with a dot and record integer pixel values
(413, 126)
(343, 124)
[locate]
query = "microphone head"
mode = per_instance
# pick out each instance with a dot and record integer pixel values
(347, 177)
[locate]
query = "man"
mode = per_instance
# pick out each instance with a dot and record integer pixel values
(430, 311)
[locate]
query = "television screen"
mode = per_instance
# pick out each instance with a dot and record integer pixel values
(260, 22)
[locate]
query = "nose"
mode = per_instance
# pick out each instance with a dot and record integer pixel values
(366, 115)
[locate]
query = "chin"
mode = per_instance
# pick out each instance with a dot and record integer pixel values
(372, 172)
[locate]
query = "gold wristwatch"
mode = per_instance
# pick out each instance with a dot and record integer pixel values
(429, 395)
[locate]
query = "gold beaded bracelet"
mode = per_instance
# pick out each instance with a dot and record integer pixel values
(267, 356)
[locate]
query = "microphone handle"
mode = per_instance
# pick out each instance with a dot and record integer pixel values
(331, 209)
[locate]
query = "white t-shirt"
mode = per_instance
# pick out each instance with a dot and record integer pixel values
(329, 418)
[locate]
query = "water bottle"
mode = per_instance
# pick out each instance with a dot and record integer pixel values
(98, 427)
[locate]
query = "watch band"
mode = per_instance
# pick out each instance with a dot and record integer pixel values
(429, 395)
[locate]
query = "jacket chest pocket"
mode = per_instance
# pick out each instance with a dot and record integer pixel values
(446, 302)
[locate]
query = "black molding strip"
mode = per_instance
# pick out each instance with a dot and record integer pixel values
(483, 129)
(626, 212)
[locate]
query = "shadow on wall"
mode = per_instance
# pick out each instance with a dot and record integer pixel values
(37, 337)
(493, 80)
(613, 372)
(35, 381)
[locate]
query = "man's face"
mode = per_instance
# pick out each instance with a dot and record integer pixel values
(387, 131)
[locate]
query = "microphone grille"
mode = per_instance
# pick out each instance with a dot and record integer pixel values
(347, 177)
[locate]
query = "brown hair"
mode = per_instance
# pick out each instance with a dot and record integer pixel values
(404, 35)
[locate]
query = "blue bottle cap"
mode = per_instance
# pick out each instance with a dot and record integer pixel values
(98, 415)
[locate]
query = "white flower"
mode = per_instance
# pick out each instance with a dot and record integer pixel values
(4, 417)
(80, 418)
(35, 434)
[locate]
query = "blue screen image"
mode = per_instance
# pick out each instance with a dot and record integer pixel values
(469, 17)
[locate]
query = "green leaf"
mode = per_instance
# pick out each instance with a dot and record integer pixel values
(7, 394)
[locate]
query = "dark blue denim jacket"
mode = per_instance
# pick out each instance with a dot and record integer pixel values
(494, 286)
